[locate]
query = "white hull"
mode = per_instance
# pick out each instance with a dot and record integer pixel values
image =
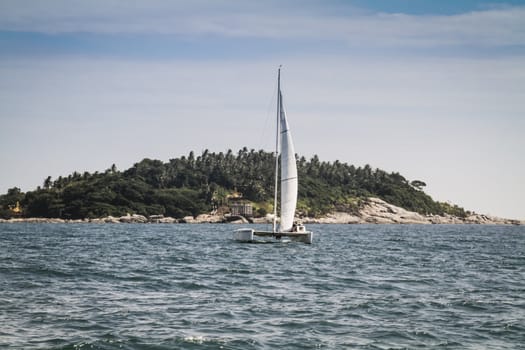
(243, 235)
(250, 235)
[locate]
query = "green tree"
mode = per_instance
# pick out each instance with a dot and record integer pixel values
(193, 185)
(47, 182)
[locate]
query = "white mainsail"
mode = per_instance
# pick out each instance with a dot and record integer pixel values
(288, 173)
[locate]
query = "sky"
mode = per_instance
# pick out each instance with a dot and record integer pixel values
(434, 90)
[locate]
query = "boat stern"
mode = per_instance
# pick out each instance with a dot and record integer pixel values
(303, 237)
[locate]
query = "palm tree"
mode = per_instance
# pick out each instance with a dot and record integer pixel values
(47, 183)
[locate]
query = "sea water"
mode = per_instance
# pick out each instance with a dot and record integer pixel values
(182, 286)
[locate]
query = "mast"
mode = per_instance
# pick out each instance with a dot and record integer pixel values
(274, 226)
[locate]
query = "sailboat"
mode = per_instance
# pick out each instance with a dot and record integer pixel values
(287, 228)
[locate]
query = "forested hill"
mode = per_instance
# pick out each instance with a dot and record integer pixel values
(198, 184)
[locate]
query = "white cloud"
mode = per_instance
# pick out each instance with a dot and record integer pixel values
(487, 28)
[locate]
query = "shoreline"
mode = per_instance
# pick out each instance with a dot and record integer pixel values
(375, 211)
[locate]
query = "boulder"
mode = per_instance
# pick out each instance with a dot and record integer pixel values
(337, 218)
(96, 221)
(167, 220)
(155, 218)
(135, 219)
(188, 220)
(110, 220)
(262, 220)
(236, 219)
(208, 218)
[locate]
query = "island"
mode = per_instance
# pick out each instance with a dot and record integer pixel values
(231, 187)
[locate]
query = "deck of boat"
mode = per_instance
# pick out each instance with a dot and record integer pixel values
(248, 235)
(280, 234)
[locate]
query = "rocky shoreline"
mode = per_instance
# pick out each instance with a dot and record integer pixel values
(375, 211)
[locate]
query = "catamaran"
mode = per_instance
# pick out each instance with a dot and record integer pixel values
(287, 228)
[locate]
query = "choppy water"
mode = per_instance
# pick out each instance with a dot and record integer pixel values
(191, 287)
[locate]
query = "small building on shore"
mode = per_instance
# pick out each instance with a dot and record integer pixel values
(239, 206)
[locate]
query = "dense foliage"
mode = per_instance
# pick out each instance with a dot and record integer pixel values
(193, 185)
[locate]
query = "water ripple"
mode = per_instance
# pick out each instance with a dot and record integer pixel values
(191, 287)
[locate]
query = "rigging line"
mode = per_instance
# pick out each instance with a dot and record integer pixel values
(289, 178)
(269, 113)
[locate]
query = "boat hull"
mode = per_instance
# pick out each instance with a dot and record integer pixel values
(243, 235)
(251, 235)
